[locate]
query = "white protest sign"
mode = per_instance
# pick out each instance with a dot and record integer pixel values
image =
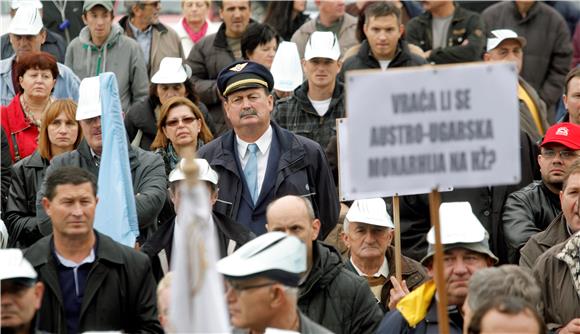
(413, 130)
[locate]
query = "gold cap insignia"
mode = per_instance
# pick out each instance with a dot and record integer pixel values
(238, 67)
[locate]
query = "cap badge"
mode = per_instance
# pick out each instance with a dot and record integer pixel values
(238, 67)
(562, 131)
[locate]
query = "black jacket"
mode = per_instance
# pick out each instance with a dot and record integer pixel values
(119, 293)
(526, 212)
(141, 116)
(302, 171)
(54, 44)
(21, 221)
(364, 59)
(228, 232)
(149, 185)
(5, 171)
(465, 26)
(335, 297)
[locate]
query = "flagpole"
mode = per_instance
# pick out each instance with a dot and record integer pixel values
(434, 203)
(397, 219)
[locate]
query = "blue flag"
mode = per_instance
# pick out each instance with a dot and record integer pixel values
(116, 214)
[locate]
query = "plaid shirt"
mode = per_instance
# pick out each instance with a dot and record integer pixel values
(297, 114)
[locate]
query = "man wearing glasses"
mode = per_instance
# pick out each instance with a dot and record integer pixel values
(261, 285)
(156, 40)
(531, 209)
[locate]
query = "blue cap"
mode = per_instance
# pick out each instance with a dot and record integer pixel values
(244, 74)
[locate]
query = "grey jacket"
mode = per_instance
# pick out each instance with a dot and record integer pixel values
(149, 185)
(346, 35)
(119, 54)
(66, 87)
(538, 244)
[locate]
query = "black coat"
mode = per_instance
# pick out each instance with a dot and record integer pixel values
(120, 292)
(335, 297)
(21, 209)
(54, 44)
(302, 170)
(5, 171)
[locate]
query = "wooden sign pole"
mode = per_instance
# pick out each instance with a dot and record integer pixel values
(443, 317)
(397, 219)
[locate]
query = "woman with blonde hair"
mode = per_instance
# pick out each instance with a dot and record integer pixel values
(59, 133)
(181, 124)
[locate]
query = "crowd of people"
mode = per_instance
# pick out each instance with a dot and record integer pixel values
(253, 90)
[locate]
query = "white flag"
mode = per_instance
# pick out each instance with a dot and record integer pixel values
(197, 292)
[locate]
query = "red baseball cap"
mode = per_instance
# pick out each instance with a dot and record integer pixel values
(566, 134)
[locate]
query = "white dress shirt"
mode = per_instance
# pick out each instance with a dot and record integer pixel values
(263, 152)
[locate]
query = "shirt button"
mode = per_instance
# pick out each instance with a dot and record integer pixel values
(486, 213)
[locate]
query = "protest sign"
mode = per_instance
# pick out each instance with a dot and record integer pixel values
(417, 129)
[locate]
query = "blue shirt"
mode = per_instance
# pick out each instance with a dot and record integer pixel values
(144, 40)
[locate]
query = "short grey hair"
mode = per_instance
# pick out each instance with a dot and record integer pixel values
(129, 7)
(507, 280)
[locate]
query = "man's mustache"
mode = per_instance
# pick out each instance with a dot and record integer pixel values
(248, 112)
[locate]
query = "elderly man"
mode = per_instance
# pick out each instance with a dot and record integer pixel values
(317, 103)
(368, 232)
(262, 279)
(330, 294)
(571, 96)
(216, 51)
(82, 267)
(466, 250)
(102, 47)
(383, 47)
(259, 161)
(156, 40)
(507, 45)
(531, 209)
(563, 226)
(21, 293)
(447, 33)
(333, 18)
(147, 168)
(27, 34)
(505, 281)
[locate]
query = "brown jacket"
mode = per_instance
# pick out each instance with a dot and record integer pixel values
(538, 244)
(413, 273)
(561, 300)
(164, 43)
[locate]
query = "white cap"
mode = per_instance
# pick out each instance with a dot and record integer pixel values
(501, 35)
(286, 68)
(459, 228)
(22, 3)
(276, 255)
(26, 21)
(206, 173)
(89, 99)
(322, 44)
(171, 70)
(14, 265)
(371, 211)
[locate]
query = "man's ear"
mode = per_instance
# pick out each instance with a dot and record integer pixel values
(38, 293)
(486, 56)
(46, 205)
(315, 228)
(278, 296)
(345, 239)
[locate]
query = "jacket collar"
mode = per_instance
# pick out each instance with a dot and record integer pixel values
(85, 151)
(301, 95)
(555, 233)
(35, 161)
(221, 40)
(124, 22)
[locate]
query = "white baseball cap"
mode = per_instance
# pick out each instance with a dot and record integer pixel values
(371, 211)
(15, 4)
(89, 99)
(501, 35)
(26, 21)
(275, 255)
(13, 264)
(286, 68)
(460, 228)
(322, 44)
(171, 70)
(206, 173)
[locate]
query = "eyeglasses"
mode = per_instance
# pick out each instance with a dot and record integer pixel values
(231, 285)
(550, 154)
(184, 121)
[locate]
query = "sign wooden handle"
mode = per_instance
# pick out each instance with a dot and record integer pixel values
(397, 220)
(443, 317)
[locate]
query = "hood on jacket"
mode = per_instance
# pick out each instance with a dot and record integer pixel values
(112, 39)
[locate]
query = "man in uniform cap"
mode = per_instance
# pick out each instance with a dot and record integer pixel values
(330, 294)
(257, 161)
(466, 250)
(368, 233)
(531, 209)
(21, 293)
(262, 278)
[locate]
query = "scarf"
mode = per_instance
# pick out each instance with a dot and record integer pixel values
(195, 36)
(570, 254)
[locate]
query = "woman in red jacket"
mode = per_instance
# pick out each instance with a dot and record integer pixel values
(37, 73)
